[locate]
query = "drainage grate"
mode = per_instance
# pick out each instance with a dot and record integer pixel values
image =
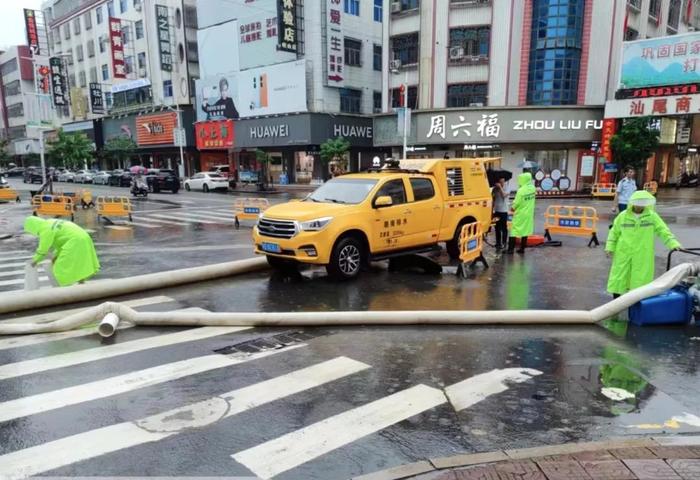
(271, 342)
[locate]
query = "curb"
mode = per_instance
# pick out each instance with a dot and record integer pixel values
(435, 465)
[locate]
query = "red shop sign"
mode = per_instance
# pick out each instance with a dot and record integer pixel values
(214, 135)
(609, 128)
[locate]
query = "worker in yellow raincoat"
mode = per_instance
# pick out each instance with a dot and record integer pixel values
(74, 256)
(631, 244)
(523, 213)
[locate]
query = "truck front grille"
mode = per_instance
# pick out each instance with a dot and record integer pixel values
(276, 228)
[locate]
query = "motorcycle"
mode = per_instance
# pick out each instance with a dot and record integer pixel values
(139, 187)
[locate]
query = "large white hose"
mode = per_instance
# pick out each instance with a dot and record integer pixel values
(286, 319)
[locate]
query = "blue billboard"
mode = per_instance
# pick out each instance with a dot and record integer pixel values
(672, 60)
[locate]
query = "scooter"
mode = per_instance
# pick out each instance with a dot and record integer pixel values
(139, 187)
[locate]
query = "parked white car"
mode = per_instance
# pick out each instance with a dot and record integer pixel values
(83, 176)
(101, 178)
(206, 181)
(66, 176)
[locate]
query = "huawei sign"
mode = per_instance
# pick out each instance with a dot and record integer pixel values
(156, 129)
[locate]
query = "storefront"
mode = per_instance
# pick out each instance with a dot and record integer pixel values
(557, 139)
(292, 143)
(215, 141)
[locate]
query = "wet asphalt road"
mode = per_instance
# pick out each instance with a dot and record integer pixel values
(563, 403)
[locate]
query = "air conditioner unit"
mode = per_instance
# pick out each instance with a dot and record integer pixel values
(138, 6)
(395, 64)
(456, 53)
(395, 7)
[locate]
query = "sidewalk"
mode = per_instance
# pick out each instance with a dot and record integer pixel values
(662, 458)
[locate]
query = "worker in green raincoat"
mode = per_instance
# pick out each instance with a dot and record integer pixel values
(74, 256)
(631, 244)
(523, 212)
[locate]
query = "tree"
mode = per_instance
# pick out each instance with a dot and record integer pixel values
(263, 159)
(119, 150)
(634, 143)
(5, 156)
(70, 150)
(335, 150)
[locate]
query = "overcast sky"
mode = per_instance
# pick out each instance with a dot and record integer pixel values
(12, 21)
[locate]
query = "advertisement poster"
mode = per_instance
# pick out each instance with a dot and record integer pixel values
(156, 129)
(260, 91)
(587, 162)
(164, 47)
(334, 44)
(96, 101)
(32, 32)
(117, 48)
(670, 60)
(214, 135)
(287, 26)
(58, 82)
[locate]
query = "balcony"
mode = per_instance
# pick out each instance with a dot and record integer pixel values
(635, 5)
(470, 3)
(458, 58)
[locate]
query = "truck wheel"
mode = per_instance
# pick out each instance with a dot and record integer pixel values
(453, 245)
(282, 264)
(346, 259)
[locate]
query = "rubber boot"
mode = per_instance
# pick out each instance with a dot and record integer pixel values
(523, 243)
(511, 245)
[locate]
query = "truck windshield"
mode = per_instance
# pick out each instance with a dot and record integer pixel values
(343, 190)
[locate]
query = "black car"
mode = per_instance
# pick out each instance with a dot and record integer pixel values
(120, 178)
(33, 175)
(159, 180)
(15, 172)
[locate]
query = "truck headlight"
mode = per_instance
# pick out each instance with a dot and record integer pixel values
(316, 224)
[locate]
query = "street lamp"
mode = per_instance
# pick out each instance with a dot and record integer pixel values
(395, 66)
(181, 132)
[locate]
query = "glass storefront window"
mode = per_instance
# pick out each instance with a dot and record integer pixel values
(548, 160)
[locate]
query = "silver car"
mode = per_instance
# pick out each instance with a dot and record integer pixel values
(83, 176)
(101, 178)
(66, 176)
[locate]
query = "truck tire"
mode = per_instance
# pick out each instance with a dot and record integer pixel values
(347, 259)
(452, 246)
(282, 264)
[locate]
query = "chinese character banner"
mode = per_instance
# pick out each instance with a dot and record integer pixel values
(670, 60)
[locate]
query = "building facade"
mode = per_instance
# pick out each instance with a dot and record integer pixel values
(304, 72)
(127, 58)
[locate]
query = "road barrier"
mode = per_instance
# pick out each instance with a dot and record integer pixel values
(113, 207)
(249, 209)
(651, 187)
(53, 206)
(471, 244)
(571, 220)
(8, 195)
(604, 190)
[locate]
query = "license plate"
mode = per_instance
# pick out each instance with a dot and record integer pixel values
(251, 210)
(271, 247)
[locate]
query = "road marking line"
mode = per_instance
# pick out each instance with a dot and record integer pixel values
(4, 258)
(38, 338)
(118, 227)
(53, 362)
(58, 453)
(14, 252)
(166, 222)
(181, 216)
(13, 273)
(19, 281)
(296, 448)
(214, 218)
(12, 265)
(144, 225)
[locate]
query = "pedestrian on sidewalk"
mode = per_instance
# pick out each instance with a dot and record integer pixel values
(74, 257)
(631, 244)
(625, 188)
(500, 210)
(523, 213)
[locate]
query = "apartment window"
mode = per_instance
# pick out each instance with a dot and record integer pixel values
(57, 36)
(141, 60)
(474, 40)
(352, 7)
(350, 100)
(123, 6)
(378, 10)
(109, 101)
(405, 48)
(91, 48)
(98, 14)
(105, 72)
(467, 95)
(76, 25)
(110, 8)
(138, 28)
(409, 4)
(126, 34)
(129, 61)
(8, 67)
(79, 53)
(397, 101)
(674, 14)
(71, 80)
(16, 110)
(88, 21)
(81, 78)
(377, 101)
(635, 3)
(167, 88)
(137, 3)
(631, 34)
(654, 9)
(69, 56)
(93, 75)
(103, 47)
(377, 57)
(13, 88)
(66, 31)
(353, 52)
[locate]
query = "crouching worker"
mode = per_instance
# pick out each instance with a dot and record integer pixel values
(74, 256)
(631, 244)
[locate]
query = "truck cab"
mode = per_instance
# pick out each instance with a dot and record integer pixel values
(384, 212)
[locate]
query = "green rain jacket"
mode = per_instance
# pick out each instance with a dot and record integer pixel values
(631, 241)
(524, 207)
(74, 254)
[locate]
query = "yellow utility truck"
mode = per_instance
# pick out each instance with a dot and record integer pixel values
(382, 213)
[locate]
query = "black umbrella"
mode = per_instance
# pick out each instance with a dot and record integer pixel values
(494, 174)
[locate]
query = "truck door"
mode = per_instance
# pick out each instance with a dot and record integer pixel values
(426, 211)
(390, 223)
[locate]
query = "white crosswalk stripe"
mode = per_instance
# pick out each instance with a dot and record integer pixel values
(14, 273)
(20, 281)
(161, 222)
(4, 266)
(182, 216)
